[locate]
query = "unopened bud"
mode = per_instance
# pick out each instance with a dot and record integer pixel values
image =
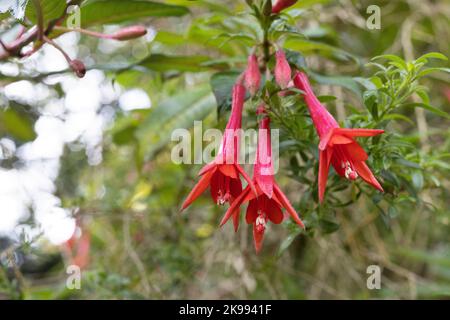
(282, 4)
(267, 8)
(282, 70)
(252, 75)
(129, 33)
(78, 67)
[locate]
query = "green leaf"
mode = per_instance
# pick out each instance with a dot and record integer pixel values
(417, 179)
(370, 99)
(295, 58)
(124, 130)
(431, 55)
(222, 85)
(16, 124)
(399, 62)
(422, 93)
(429, 108)
(161, 63)
(177, 112)
(288, 241)
(169, 38)
(116, 11)
(342, 81)
(51, 10)
(431, 70)
(326, 98)
(307, 46)
(328, 226)
(397, 116)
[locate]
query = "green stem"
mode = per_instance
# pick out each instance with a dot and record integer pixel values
(40, 19)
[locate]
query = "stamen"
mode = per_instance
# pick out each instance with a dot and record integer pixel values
(224, 195)
(260, 222)
(350, 173)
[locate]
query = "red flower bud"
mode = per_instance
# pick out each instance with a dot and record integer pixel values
(78, 67)
(128, 33)
(252, 75)
(282, 70)
(282, 4)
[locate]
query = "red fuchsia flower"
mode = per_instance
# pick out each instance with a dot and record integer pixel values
(337, 145)
(222, 175)
(252, 75)
(266, 203)
(282, 4)
(78, 246)
(282, 70)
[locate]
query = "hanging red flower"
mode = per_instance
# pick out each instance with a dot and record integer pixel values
(337, 145)
(222, 175)
(267, 202)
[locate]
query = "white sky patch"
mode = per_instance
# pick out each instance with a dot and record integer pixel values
(57, 225)
(76, 117)
(25, 92)
(15, 7)
(134, 99)
(9, 69)
(7, 148)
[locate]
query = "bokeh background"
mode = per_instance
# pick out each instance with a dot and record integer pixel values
(86, 175)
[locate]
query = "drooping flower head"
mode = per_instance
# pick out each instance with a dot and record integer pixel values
(77, 248)
(282, 4)
(282, 70)
(222, 175)
(267, 202)
(337, 145)
(252, 75)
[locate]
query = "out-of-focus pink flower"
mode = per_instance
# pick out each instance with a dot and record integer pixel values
(282, 70)
(252, 75)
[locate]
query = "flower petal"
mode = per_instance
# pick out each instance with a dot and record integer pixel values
(265, 183)
(286, 204)
(229, 170)
(215, 184)
(324, 142)
(339, 139)
(198, 189)
(367, 175)
(246, 195)
(274, 212)
(257, 238)
(235, 187)
(359, 132)
(252, 211)
(356, 152)
(246, 177)
(324, 166)
(206, 168)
